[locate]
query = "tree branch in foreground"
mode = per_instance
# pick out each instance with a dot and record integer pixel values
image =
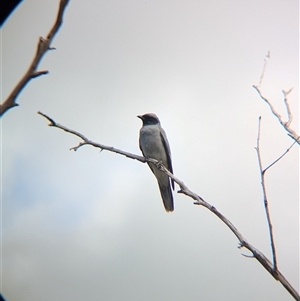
(42, 47)
(263, 260)
(285, 124)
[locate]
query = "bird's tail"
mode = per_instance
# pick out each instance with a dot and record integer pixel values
(167, 196)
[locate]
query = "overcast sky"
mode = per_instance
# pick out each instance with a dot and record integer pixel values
(87, 225)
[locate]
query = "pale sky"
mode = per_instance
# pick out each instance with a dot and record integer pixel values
(87, 225)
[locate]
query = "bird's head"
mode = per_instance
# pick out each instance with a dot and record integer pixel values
(149, 119)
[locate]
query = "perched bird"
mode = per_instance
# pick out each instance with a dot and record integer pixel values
(154, 144)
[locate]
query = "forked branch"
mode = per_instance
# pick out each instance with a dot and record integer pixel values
(262, 177)
(262, 259)
(266, 205)
(42, 47)
(286, 124)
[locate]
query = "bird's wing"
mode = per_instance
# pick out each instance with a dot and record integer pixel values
(168, 152)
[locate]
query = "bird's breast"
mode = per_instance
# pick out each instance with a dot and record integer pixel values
(151, 143)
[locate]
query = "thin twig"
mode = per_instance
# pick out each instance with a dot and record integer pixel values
(42, 47)
(260, 257)
(264, 69)
(262, 176)
(281, 156)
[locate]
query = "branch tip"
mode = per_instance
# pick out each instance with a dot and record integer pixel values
(52, 122)
(39, 73)
(248, 256)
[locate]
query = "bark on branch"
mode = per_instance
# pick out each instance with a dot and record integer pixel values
(198, 200)
(42, 47)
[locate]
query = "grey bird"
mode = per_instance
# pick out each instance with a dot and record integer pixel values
(154, 144)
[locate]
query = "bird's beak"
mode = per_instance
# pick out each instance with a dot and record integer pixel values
(140, 116)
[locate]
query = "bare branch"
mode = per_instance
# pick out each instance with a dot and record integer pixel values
(32, 72)
(262, 176)
(285, 124)
(86, 141)
(290, 116)
(262, 259)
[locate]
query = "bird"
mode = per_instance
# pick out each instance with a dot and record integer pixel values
(154, 144)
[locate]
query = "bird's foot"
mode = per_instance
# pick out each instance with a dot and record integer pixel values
(160, 165)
